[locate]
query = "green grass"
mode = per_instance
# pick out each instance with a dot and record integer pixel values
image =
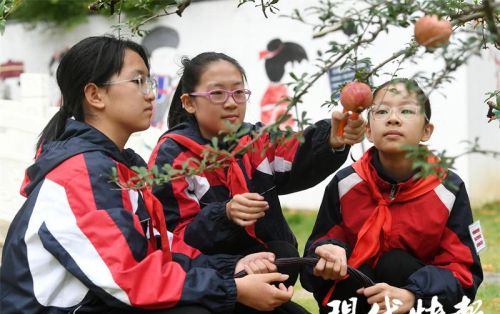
(489, 294)
(489, 215)
(302, 223)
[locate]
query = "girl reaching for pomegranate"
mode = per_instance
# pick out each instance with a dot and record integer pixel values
(236, 209)
(408, 233)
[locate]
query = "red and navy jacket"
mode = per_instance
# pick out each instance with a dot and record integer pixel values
(82, 243)
(433, 227)
(195, 206)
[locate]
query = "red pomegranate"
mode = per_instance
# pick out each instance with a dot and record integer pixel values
(355, 97)
(432, 32)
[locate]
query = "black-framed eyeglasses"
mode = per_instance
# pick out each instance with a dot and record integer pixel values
(220, 96)
(146, 85)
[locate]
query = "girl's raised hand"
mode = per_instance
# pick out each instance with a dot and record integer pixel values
(244, 209)
(354, 131)
(257, 263)
(256, 291)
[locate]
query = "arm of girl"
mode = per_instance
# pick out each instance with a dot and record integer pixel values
(456, 270)
(328, 241)
(297, 166)
(195, 224)
(93, 232)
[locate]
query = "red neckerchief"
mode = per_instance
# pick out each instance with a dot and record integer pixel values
(155, 212)
(377, 228)
(234, 180)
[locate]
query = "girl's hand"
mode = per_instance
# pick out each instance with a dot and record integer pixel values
(378, 292)
(257, 263)
(244, 209)
(332, 263)
(256, 291)
(354, 131)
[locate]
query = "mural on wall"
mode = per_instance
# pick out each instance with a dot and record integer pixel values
(274, 101)
(338, 76)
(161, 43)
(10, 71)
(55, 93)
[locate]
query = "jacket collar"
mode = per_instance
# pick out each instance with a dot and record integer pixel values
(78, 137)
(384, 180)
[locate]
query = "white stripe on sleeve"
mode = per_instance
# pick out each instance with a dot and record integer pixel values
(445, 196)
(348, 183)
(53, 285)
(281, 165)
(62, 224)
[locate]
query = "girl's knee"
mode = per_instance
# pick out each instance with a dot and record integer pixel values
(396, 266)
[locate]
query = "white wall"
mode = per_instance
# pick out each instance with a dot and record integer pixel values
(482, 75)
(242, 33)
(20, 123)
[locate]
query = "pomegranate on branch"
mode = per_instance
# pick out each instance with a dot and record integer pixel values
(354, 97)
(432, 32)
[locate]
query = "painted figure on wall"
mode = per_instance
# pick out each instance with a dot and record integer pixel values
(274, 101)
(493, 112)
(54, 92)
(10, 72)
(161, 43)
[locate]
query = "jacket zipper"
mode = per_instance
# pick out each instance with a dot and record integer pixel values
(392, 195)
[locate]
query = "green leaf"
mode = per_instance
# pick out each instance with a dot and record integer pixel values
(215, 142)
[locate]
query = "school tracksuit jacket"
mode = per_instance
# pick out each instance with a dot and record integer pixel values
(81, 244)
(195, 206)
(432, 226)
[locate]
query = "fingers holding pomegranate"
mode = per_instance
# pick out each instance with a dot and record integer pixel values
(354, 97)
(354, 131)
(337, 141)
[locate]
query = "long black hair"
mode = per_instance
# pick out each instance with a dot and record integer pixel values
(92, 60)
(191, 73)
(412, 87)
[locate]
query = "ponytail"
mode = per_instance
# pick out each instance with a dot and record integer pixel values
(177, 114)
(92, 60)
(53, 129)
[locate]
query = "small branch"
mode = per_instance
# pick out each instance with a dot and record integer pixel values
(180, 9)
(263, 8)
(338, 25)
(466, 18)
(475, 150)
(393, 57)
(328, 30)
(120, 18)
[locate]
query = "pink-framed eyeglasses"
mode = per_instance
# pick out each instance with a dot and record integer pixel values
(220, 96)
